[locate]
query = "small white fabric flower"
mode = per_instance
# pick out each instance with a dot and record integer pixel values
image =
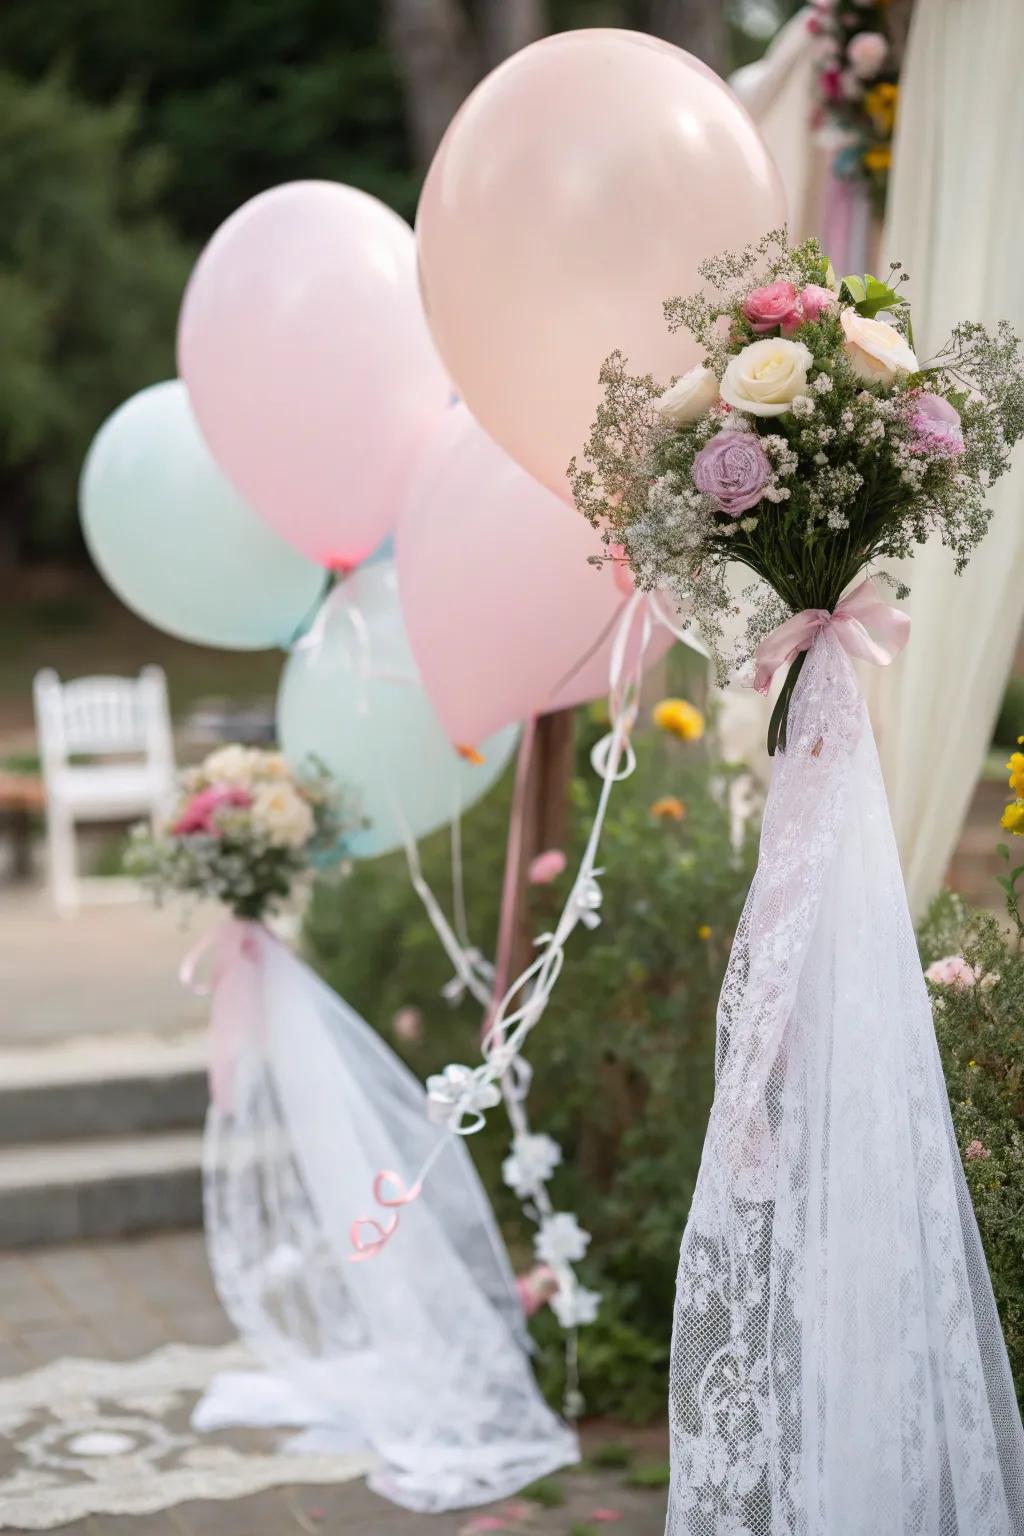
(561, 1240)
(533, 1160)
(575, 1306)
(689, 398)
(458, 1092)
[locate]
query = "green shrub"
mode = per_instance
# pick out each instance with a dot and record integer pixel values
(624, 1059)
(1010, 721)
(980, 1032)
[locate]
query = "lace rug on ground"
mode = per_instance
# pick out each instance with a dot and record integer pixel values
(97, 1437)
(420, 1354)
(838, 1367)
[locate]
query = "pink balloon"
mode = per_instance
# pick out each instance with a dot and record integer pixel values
(505, 617)
(309, 364)
(576, 189)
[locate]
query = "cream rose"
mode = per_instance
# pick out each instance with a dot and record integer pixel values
(232, 765)
(766, 377)
(689, 398)
(282, 815)
(877, 351)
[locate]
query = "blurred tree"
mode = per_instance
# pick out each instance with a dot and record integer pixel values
(242, 95)
(89, 284)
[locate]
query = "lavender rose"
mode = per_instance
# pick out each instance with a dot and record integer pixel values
(936, 427)
(734, 469)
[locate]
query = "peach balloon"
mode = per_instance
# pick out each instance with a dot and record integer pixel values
(309, 364)
(505, 617)
(577, 188)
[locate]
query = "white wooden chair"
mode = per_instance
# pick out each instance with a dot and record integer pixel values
(121, 718)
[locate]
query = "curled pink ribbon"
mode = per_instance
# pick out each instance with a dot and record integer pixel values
(389, 1190)
(859, 612)
(235, 997)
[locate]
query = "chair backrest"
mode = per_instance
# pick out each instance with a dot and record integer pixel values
(104, 715)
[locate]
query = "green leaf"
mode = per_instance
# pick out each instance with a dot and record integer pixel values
(650, 1474)
(1003, 851)
(547, 1493)
(854, 290)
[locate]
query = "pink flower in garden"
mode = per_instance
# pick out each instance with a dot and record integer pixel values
(605, 1516)
(976, 1149)
(536, 1288)
(547, 866)
(953, 971)
(768, 308)
(199, 813)
(936, 427)
(408, 1025)
(867, 53)
(831, 80)
(814, 300)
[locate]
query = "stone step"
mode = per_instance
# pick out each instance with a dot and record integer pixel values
(105, 1086)
(63, 1191)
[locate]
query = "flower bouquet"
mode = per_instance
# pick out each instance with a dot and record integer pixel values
(837, 1364)
(243, 831)
(309, 1111)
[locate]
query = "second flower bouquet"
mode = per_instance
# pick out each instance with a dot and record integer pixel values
(810, 443)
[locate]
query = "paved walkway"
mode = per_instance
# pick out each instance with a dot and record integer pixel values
(124, 1299)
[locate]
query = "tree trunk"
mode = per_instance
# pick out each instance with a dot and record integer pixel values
(508, 25)
(438, 62)
(696, 25)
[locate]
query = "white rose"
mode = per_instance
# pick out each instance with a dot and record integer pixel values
(877, 351)
(282, 815)
(766, 377)
(689, 398)
(232, 765)
(867, 53)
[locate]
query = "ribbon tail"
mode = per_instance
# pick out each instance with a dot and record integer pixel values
(235, 1004)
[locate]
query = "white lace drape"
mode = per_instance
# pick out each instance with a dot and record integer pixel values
(838, 1367)
(421, 1353)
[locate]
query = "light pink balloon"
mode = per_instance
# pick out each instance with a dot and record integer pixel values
(576, 189)
(499, 602)
(309, 364)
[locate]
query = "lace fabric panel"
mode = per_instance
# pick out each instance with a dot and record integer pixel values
(837, 1366)
(421, 1353)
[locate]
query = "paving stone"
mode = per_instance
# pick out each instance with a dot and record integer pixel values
(162, 1523)
(201, 1325)
(133, 1333)
(42, 1345)
(262, 1514)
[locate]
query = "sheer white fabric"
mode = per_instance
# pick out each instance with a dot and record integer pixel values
(420, 1353)
(956, 221)
(838, 1367)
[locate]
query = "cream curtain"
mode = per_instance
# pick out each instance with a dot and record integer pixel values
(956, 221)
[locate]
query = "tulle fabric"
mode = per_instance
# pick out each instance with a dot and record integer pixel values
(837, 1367)
(421, 1353)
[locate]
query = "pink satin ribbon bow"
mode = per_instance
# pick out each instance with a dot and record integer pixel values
(859, 612)
(234, 990)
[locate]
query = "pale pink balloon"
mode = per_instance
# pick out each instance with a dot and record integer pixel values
(505, 617)
(309, 364)
(576, 189)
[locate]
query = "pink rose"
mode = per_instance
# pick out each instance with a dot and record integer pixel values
(953, 971)
(536, 1288)
(546, 867)
(936, 427)
(867, 53)
(199, 814)
(774, 306)
(815, 300)
(408, 1025)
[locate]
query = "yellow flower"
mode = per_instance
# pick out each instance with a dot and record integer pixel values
(704, 931)
(679, 718)
(878, 158)
(880, 105)
(1013, 818)
(1016, 767)
(668, 808)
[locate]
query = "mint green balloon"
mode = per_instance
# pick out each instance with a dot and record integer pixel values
(351, 698)
(175, 540)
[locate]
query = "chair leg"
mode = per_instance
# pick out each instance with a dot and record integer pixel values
(60, 829)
